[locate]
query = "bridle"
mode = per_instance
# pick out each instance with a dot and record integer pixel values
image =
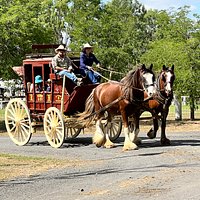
(161, 94)
(147, 85)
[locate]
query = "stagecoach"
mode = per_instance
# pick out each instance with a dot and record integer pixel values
(55, 110)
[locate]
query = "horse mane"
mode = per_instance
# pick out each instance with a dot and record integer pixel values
(130, 85)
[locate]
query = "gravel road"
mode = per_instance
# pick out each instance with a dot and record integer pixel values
(153, 172)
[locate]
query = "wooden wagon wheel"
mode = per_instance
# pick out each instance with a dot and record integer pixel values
(72, 132)
(113, 129)
(18, 121)
(54, 127)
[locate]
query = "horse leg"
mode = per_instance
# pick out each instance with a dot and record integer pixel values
(134, 133)
(152, 132)
(164, 140)
(99, 137)
(128, 144)
(108, 144)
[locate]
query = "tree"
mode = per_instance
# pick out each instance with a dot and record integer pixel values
(21, 26)
(175, 42)
(118, 30)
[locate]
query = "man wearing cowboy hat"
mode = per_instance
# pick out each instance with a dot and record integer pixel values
(87, 58)
(62, 64)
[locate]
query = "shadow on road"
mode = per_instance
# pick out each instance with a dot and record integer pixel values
(146, 143)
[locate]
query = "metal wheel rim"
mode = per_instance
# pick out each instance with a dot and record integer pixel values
(18, 121)
(54, 127)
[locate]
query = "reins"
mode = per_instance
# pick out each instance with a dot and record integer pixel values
(93, 70)
(133, 87)
(105, 107)
(112, 103)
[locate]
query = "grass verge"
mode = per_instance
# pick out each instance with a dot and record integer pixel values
(13, 166)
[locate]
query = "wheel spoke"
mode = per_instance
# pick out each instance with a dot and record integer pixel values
(15, 134)
(21, 134)
(25, 128)
(59, 135)
(13, 108)
(14, 126)
(48, 121)
(11, 113)
(12, 118)
(25, 125)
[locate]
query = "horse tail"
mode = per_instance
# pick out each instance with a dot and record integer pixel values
(89, 109)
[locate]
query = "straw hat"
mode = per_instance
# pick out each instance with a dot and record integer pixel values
(38, 79)
(60, 48)
(87, 45)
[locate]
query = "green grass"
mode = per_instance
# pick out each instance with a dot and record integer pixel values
(185, 113)
(2, 117)
(12, 166)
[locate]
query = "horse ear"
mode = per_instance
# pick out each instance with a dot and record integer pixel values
(172, 68)
(143, 66)
(164, 67)
(151, 67)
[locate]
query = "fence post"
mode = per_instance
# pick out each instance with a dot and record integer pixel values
(178, 108)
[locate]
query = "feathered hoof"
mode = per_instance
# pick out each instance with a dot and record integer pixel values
(98, 140)
(109, 144)
(151, 134)
(165, 142)
(129, 146)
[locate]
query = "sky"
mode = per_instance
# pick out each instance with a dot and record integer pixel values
(167, 4)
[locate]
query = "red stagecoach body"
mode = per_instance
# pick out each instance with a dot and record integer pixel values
(39, 102)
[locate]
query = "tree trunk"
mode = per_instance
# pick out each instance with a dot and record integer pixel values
(192, 107)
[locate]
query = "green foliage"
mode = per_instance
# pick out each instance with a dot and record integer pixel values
(176, 41)
(122, 32)
(21, 26)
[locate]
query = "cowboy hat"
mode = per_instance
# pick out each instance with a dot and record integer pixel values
(38, 79)
(87, 45)
(60, 48)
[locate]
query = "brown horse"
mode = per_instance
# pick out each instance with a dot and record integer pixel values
(158, 105)
(118, 98)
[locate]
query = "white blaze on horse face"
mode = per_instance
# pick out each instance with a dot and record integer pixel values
(149, 85)
(168, 87)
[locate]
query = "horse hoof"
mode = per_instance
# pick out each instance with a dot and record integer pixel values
(130, 146)
(151, 134)
(98, 140)
(109, 146)
(165, 142)
(97, 145)
(138, 141)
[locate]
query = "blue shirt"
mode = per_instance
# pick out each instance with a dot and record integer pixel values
(87, 60)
